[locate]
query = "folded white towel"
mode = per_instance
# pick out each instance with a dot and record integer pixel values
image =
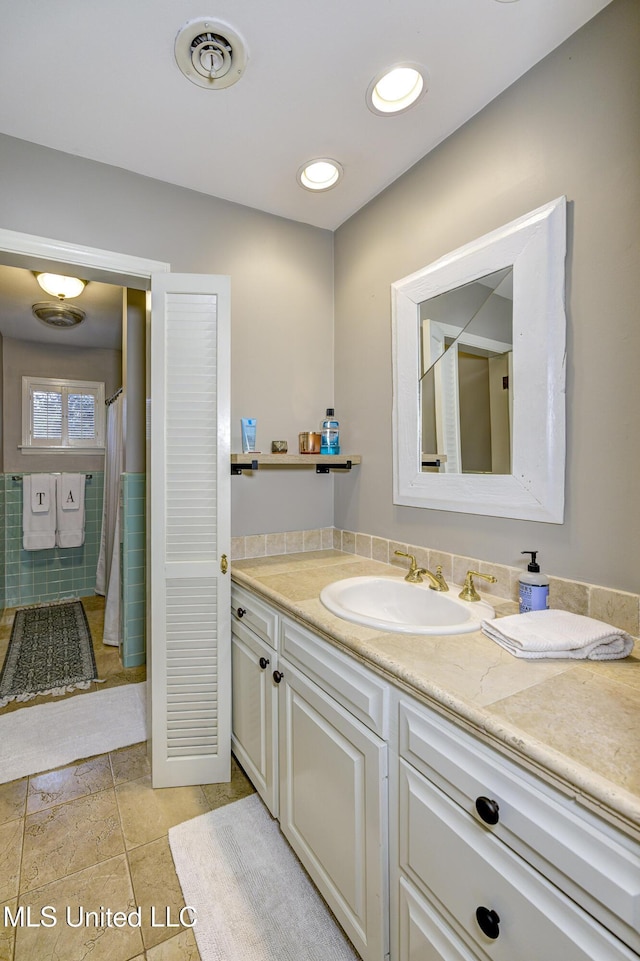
(38, 527)
(41, 500)
(552, 633)
(70, 523)
(71, 489)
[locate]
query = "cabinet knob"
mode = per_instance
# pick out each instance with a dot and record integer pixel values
(241, 611)
(263, 662)
(489, 922)
(488, 810)
(277, 676)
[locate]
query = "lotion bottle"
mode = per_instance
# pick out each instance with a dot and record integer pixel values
(534, 587)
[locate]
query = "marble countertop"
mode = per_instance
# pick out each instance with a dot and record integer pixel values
(575, 723)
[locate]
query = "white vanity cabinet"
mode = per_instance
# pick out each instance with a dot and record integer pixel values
(492, 862)
(333, 782)
(254, 714)
(427, 842)
(310, 730)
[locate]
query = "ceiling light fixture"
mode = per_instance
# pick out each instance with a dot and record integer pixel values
(58, 314)
(320, 174)
(397, 89)
(59, 286)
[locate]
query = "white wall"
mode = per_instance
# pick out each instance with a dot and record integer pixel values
(281, 288)
(570, 126)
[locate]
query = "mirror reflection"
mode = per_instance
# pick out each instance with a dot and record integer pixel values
(466, 377)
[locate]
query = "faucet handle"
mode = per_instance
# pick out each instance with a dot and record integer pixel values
(469, 592)
(415, 573)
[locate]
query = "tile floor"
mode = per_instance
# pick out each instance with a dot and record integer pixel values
(93, 836)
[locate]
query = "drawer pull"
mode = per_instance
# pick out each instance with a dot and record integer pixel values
(489, 922)
(263, 662)
(241, 611)
(488, 810)
(277, 676)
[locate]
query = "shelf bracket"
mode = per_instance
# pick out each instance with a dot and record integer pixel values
(325, 468)
(238, 468)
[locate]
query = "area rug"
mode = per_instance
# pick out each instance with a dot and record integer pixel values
(50, 652)
(44, 736)
(253, 900)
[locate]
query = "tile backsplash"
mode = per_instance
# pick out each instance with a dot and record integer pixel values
(620, 608)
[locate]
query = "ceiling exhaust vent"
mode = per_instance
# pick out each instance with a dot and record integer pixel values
(210, 53)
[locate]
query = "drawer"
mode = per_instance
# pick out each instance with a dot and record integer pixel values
(464, 869)
(256, 614)
(596, 864)
(358, 690)
(423, 934)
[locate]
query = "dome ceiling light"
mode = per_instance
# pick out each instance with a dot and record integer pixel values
(210, 53)
(60, 286)
(58, 314)
(320, 174)
(397, 89)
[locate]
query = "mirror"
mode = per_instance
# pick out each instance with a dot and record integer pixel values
(466, 381)
(479, 374)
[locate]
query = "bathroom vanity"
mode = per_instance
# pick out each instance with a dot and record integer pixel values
(434, 818)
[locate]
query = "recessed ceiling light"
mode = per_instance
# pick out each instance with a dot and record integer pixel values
(320, 174)
(397, 89)
(60, 286)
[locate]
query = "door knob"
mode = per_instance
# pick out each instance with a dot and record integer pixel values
(241, 612)
(263, 662)
(277, 676)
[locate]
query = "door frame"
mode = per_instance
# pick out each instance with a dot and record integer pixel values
(33, 252)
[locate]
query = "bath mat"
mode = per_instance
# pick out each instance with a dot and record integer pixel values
(44, 736)
(50, 652)
(252, 898)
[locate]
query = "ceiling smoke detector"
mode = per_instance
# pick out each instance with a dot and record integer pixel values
(210, 53)
(58, 314)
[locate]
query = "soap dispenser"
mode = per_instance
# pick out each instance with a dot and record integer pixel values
(534, 587)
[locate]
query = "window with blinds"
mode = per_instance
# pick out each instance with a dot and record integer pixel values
(62, 414)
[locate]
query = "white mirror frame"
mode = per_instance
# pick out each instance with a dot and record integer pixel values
(536, 247)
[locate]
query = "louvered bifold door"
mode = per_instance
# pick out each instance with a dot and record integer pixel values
(189, 631)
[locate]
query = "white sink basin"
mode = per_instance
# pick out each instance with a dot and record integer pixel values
(392, 604)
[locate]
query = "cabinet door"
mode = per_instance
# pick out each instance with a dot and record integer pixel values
(254, 712)
(333, 808)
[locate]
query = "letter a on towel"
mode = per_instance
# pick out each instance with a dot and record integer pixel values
(70, 512)
(70, 491)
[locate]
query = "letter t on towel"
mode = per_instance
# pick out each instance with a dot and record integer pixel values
(38, 512)
(70, 512)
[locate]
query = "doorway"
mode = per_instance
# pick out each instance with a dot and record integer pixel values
(104, 270)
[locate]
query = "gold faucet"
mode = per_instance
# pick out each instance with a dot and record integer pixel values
(469, 592)
(440, 579)
(414, 576)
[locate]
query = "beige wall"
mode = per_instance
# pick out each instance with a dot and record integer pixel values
(570, 126)
(281, 299)
(71, 363)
